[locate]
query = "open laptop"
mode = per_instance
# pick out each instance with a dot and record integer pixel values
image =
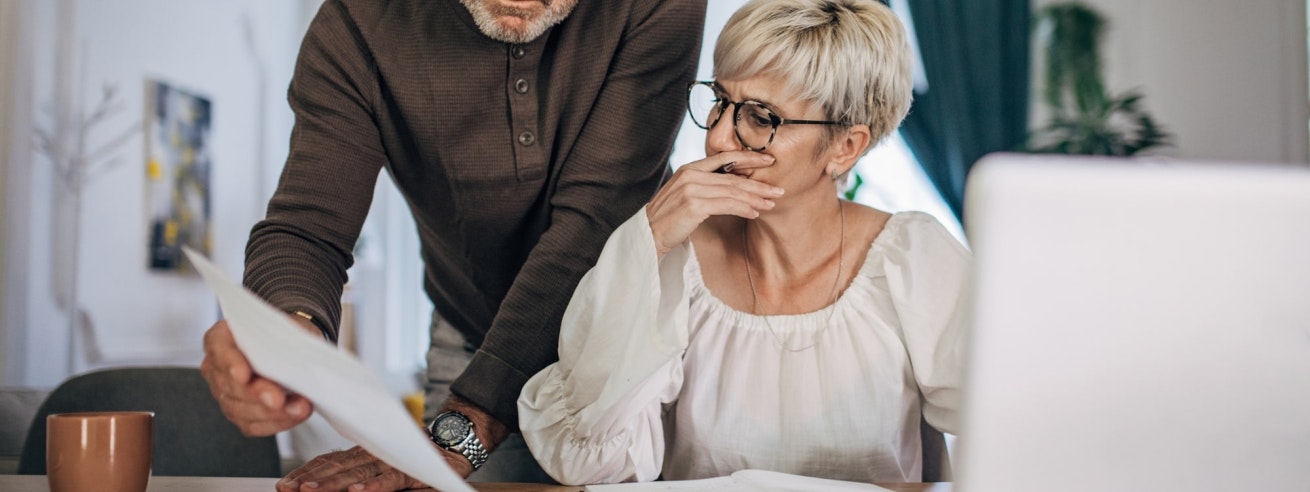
(1137, 326)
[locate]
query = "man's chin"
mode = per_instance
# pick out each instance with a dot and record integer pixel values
(517, 21)
(514, 24)
(513, 30)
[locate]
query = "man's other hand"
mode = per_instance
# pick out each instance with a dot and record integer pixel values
(357, 470)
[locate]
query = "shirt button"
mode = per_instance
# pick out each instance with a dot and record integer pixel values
(521, 86)
(518, 51)
(527, 138)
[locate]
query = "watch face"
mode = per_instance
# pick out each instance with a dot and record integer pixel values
(450, 430)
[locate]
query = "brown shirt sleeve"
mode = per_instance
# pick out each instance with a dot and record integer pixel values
(297, 256)
(613, 169)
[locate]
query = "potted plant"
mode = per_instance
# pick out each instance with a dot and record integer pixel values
(1084, 118)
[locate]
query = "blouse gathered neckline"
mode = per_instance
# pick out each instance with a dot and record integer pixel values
(817, 318)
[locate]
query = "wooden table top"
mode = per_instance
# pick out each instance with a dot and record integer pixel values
(37, 483)
(525, 487)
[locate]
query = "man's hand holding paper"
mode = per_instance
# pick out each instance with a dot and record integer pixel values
(344, 391)
(257, 405)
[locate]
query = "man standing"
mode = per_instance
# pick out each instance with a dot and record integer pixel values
(520, 132)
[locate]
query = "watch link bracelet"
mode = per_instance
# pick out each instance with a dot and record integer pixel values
(454, 432)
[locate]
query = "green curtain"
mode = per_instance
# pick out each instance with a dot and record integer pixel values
(976, 59)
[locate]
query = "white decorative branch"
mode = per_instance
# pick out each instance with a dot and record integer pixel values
(63, 141)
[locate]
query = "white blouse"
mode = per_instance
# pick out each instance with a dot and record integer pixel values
(657, 376)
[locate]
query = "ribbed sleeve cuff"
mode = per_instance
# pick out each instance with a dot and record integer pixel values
(494, 386)
(288, 276)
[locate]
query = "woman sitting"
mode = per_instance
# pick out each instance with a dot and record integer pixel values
(751, 318)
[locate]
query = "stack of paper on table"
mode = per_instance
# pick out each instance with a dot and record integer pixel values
(744, 481)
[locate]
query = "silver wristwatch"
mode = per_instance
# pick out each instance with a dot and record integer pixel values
(454, 432)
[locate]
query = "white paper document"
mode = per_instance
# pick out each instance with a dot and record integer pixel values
(345, 392)
(745, 481)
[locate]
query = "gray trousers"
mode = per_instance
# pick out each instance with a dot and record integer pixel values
(447, 358)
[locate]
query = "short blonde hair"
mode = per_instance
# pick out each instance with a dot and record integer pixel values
(850, 57)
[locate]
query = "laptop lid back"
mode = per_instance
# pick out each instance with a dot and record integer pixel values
(1137, 327)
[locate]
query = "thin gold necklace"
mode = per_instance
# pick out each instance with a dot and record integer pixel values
(755, 299)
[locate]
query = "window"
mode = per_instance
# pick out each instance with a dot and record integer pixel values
(893, 181)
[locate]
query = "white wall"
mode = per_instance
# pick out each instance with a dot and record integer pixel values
(1227, 78)
(138, 316)
(8, 48)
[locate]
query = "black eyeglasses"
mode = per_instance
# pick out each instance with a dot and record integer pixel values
(754, 123)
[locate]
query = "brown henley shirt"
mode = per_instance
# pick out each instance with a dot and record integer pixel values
(517, 162)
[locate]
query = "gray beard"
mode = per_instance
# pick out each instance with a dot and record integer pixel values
(486, 19)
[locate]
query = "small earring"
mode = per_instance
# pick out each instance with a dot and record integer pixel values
(832, 172)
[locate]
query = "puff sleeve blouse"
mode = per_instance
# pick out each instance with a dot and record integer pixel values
(658, 377)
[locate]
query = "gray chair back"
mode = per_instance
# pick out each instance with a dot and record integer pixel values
(192, 437)
(17, 406)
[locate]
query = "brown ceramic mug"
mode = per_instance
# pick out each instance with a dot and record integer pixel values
(107, 451)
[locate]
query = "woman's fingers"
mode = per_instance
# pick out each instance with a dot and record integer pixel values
(758, 196)
(737, 161)
(740, 159)
(732, 206)
(744, 162)
(755, 187)
(693, 196)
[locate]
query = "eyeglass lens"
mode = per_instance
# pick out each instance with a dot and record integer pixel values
(755, 123)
